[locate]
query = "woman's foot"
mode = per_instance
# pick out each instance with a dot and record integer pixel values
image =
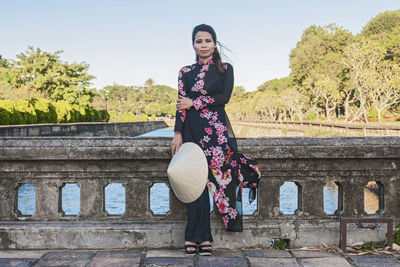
(205, 248)
(190, 248)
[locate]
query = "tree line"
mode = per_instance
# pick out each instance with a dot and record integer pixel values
(38, 76)
(334, 74)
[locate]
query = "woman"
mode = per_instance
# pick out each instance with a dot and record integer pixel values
(203, 89)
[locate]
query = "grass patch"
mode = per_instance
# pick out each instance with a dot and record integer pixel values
(281, 244)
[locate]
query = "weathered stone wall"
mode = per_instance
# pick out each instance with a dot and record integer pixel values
(82, 129)
(93, 162)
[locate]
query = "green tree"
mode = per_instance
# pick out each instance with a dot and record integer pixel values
(361, 59)
(383, 22)
(6, 91)
(316, 65)
(58, 80)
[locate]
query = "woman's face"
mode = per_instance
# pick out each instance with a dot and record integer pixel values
(204, 45)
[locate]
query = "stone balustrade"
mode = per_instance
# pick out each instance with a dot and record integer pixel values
(48, 163)
(255, 128)
(82, 129)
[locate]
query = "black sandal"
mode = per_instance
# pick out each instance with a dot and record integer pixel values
(190, 252)
(205, 250)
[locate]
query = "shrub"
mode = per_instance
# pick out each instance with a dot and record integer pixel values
(312, 116)
(45, 110)
(144, 117)
(63, 109)
(104, 115)
(127, 117)
(373, 113)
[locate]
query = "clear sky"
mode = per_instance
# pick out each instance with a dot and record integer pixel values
(127, 42)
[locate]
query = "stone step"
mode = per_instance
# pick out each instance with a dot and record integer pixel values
(220, 258)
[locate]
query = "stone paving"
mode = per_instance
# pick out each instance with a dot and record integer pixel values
(171, 258)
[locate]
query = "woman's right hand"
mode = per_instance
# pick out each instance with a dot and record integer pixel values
(176, 143)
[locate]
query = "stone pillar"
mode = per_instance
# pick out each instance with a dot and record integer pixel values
(47, 200)
(137, 199)
(268, 198)
(8, 198)
(391, 196)
(313, 197)
(353, 197)
(92, 199)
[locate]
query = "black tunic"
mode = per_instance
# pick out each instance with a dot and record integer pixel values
(207, 125)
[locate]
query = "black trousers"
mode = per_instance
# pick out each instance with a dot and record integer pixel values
(198, 214)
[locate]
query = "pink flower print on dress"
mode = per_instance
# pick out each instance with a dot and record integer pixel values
(204, 68)
(243, 160)
(222, 139)
(180, 84)
(183, 114)
(206, 115)
(207, 99)
(232, 213)
(210, 61)
(233, 163)
(198, 86)
(216, 150)
(216, 163)
(201, 75)
(206, 138)
(225, 219)
(217, 173)
(186, 69)
(226, 178)
(223, 205)
(207, 152)
(218, 195)
(219, 127)
(211, 187)
(219, 132)
(208, 130)
(197, 104)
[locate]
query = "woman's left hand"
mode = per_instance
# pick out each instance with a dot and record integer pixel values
(184, 103)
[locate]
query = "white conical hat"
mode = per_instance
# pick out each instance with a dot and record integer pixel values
(188, 172)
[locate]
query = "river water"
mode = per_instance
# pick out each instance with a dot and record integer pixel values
(159, 195)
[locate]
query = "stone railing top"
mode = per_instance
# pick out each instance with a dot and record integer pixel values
(59, 148)
(74, 124)
(325, 123)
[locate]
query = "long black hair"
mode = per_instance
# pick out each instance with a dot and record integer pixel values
(216, 55)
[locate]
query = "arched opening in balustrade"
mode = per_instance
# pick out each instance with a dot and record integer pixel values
(70, 199)
(290, 198)
(26, 199)
(374, 197)
(249, 209)
(333, 198)
(159, 199)
(114, 199)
